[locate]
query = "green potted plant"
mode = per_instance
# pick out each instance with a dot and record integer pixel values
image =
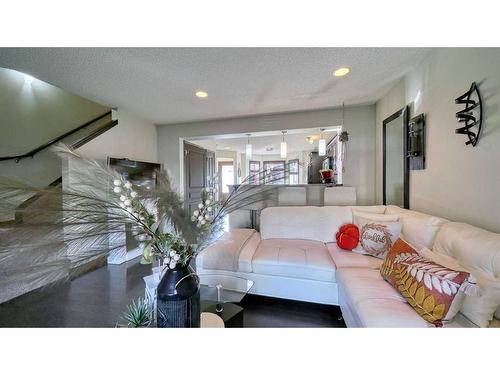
(137, 314)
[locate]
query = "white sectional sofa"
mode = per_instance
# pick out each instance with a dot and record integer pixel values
(295, 257)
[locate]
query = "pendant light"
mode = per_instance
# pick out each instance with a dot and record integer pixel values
(283, 145)
(248, 148)
(322, 144)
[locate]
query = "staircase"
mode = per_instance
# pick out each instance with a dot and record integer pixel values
(40, 156)
(50, 167)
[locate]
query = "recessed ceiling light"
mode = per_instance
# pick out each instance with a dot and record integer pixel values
(27, 78)
(201, 94)
(341, 72)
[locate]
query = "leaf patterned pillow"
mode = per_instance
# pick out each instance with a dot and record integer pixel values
(431, 289)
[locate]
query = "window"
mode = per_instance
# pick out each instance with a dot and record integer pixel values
(293, 165)
(274, 172)
(254, 169)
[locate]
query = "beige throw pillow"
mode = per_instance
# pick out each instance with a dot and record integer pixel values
(376, 235)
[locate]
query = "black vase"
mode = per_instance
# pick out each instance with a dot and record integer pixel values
(178, 299)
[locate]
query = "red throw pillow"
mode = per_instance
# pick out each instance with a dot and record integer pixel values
(347, 236)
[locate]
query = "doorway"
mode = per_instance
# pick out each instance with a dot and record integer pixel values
(226, 178)
(199, 163)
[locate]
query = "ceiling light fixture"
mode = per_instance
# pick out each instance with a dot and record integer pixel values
(310, 139)
(322, 144)
(28, 80)
(248, 148)
(283, 145)
(201, 94)
(341, 72)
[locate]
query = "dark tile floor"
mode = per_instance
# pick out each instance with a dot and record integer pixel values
(98, 298)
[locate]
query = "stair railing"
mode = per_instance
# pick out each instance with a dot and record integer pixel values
(77, 144)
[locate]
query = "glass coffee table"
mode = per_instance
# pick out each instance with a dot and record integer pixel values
(219, 294)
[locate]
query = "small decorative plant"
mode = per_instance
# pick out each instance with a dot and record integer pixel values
(171, 246)
(344, 136)
(138, 314)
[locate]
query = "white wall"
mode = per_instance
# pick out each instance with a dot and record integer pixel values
(359, 122)
(133, 138)
(461, 183)
(32, 115)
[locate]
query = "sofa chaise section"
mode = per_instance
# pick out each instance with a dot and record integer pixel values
(366, 300)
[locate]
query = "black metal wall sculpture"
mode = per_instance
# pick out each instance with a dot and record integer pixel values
(471, 116)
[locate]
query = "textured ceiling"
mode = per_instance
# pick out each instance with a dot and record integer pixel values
(158, 84)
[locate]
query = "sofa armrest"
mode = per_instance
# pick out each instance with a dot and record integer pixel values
(224, 254)
(246, 255)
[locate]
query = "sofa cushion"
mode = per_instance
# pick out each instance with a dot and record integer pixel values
(373, 216)
(224, 254)
(433, 290)
(345, 258)
(419, 229)
(364, 283)
(368, 209)
(471, 246)
(476, 251)
(302, 259)
(306, 223)
(373, 301)
(388, 313)
(246, 254)
(460, 321)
